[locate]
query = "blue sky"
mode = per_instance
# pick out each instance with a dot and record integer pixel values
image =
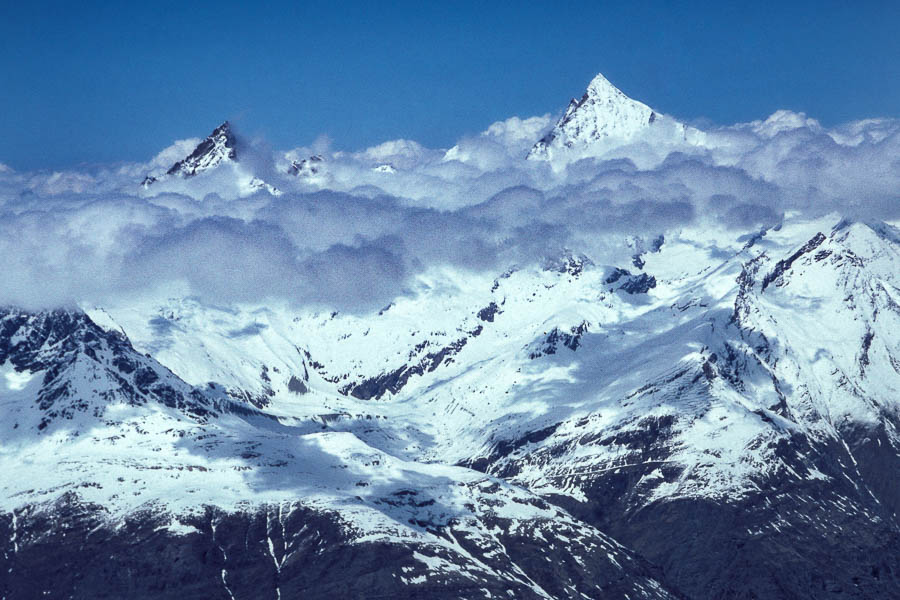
(92, 82)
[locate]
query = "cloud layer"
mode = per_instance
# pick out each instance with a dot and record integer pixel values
(353, 234)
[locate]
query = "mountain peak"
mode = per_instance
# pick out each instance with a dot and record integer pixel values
(218, 146)
(600, 87)
(603, 113)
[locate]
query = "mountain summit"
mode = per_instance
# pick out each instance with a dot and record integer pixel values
(219, 148)
(605, 118)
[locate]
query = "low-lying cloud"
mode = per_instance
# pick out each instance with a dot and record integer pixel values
(351, 236)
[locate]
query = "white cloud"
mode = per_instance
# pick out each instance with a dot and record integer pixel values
(178, 150)
(88, 235)
(783, 120)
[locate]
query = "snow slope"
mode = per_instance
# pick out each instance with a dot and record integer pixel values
(90, 422)
(722, 368)
(566, 397)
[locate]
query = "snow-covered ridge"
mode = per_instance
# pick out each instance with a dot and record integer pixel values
(731, 374)
(218, 147)
(465, 414)
(602, 112)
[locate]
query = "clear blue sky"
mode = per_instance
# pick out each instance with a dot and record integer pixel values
(99, 82)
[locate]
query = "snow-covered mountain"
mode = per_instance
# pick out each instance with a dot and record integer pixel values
(309, 170)
(732, 415)
(709, 412)
(218, 150)
(109, 445)
(218, 147)
(605, 119)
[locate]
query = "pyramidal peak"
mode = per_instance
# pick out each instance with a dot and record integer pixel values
(604, 118)
(218, 146)
(600, 88)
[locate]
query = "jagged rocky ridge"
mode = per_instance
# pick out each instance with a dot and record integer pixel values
(219, 146)
(306, 167)
(729, 432)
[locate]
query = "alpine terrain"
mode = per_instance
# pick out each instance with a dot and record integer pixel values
(697, 411)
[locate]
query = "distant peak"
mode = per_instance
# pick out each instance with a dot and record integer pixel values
(603, 119)
(603, 113)
(306, 167)
(217, 147)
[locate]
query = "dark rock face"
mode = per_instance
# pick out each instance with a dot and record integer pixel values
(72, 550)
(489, 312)
(62, 343)
(23, 337)
(640, 284)
(632, 284)
(307, 166)
(783, 265)
(296, 385)
(792, 539)
(570, 264)
(557, 338)
(394, 381)
(795, 536)
(617, 274)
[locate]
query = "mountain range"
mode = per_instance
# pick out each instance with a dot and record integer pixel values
(718, 416)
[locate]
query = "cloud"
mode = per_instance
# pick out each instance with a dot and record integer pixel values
(355, 277)
(169, 156)
(402, 154)
(222, 258)
(354, 238)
